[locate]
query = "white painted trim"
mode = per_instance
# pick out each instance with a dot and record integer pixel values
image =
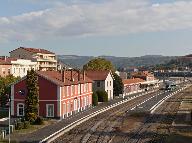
(18, 109)
(12, 100)
(47, 110)
(59, 101)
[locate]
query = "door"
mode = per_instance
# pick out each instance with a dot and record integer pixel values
(50, 110)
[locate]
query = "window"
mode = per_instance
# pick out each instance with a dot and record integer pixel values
(82, 88)
(87, 87)
(9, 71)
(3, 70)
(72, 91)
(68, 90)
(78, 88)
(107, 83)
(21, 92)
(64, 108)
(20, 109)
(98, 84)
(110, 83)
(50, 110)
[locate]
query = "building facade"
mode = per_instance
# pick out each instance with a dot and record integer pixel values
(46, 60)
(102, 80)
(5, 68)
(60, 94)
(16, 67)
(133, 85)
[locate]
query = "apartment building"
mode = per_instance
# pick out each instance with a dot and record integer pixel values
(46, 60)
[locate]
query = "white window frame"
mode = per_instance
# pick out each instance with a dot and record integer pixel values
(18, 109)
(47, 110)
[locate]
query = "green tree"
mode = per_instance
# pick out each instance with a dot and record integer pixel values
(94, 99)
(32, 98)
(117, 85)
(99, 64)
(102, 96)
(5, 88)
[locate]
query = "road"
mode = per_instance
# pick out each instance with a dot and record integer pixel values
(104, 127)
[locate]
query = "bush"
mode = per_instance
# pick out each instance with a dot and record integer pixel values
(39, 121)
(102, 96)
(26, 124)
(19, 125)
(94, 99)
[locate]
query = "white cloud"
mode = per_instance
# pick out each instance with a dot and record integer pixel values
(111, 17)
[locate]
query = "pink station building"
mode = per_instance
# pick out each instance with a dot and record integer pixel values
(61, 94)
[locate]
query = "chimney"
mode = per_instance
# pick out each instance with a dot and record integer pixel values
(79, 75)
(5, 58)
(83, 75)
(63, 75)
(71, 74)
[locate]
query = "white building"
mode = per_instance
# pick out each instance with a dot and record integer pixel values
(102, 80)
(20, 67)
(16, 67)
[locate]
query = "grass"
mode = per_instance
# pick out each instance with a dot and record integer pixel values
(6, 141)
(33, 128)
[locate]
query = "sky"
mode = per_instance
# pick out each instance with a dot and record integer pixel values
(126, 28)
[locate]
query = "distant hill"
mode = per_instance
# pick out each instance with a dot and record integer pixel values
(119, 62)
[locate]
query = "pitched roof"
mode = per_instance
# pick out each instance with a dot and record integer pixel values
(97, 75)
(142, 74)
(7, 61)
(132, 81)
(35, 50)
(56, 77)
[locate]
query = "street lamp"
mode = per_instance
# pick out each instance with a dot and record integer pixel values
(9, 118)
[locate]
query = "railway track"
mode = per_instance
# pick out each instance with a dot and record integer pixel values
(100, 127)
(156, 124)
(103, 128)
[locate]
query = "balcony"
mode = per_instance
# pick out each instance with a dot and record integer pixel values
(46, 60)
(47, 65)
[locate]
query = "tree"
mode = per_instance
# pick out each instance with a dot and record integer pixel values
(117, 85)
(32, 98)
(95, 99)
(5, 88)
(99, 64)
(102, 96)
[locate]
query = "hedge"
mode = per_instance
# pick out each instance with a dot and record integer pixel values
(95, 99)
(102, 96)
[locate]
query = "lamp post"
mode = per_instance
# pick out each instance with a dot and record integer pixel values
(9, 119)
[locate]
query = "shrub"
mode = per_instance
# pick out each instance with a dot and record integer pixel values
(102, 96)
(26, 124)
(94, 99)
(19, 125)
(39, 121)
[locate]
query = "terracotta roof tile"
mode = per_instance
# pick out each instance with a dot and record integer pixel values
(56, 77)
(132, 81)
(36, 50)
(7, 61)
(97, 75)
